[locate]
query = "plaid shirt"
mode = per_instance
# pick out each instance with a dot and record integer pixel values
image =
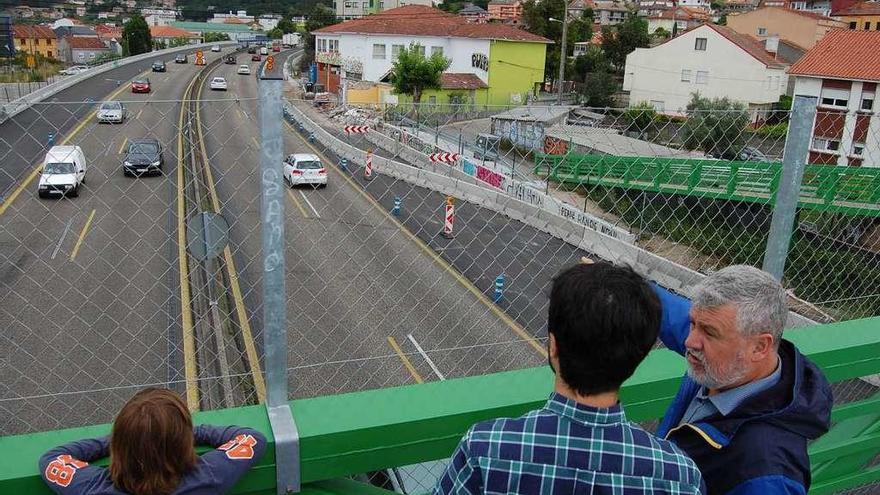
(567, 448)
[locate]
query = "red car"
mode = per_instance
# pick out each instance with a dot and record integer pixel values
(140, 86)
(255, 57)
(276, 48)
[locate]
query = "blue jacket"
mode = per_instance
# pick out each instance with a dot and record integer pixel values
(66, 469)
(760, 448)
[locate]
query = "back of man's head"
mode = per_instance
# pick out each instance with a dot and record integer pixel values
(605, 319)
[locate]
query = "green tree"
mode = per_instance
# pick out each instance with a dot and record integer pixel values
(412, 73)
(181, 41)
(136, 36)
(536, 18)
(640, 118)
(715, 126)
(661, 33)
(275, 34)
(621, 40)
(286, 25)
(592, 61)
(598, 89)
(213, 37)
(318, 17)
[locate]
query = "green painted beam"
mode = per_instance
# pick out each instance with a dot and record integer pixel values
(852, 480)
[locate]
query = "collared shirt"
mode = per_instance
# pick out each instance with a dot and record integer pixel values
(704, 405)
(567, 447)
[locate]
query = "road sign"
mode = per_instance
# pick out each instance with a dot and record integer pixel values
(356, 129)
(200, 58)
(207, 235)
(270, 63)
(444, 157)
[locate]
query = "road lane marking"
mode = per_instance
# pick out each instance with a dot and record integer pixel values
(310, 204)
(297, 203)
(425, 356)
(467, 284)
(36, 170)
(122, 146)
(243, 115)
(406, 362)
(82, 235)
(61, 240)
(138, 116)
(243, 322)
(256, 143)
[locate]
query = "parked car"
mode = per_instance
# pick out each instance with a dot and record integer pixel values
(230, 60)
(181, 59)
(215, 48)
(746, 154)
(276, 48)
(74, 70)
(218, 84)
(112, 112)
(244, 69)
(256, 57)
(143, 156)
(63, 172)
(303, 168)
(158, 66)
(140, 85)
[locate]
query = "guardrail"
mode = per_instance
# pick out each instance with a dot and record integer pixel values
(348, 434)
(849, 190)
(15, 107)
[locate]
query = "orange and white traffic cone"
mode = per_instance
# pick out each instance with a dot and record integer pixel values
(449, 218)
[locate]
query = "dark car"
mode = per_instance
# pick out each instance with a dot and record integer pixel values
(143, 156)
(180, 59)
(256, 57)
(158, 66)
(252, 49)
(230, 60)
(141, 85)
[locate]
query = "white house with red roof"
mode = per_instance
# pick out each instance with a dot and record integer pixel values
(711, 60)
(842, 71)
(491, 64)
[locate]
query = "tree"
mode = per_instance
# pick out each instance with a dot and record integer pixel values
(180, 41)
(592, 61)
(640, 118)
(599, 87)
(661, 33)
(715, 126)
(213, 37)
(286, 25)
(412, 73)
(318, 17)
(621, 40)
(536, 18)
(136, 36)
(275, 34)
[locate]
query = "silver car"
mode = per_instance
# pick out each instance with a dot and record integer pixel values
(112, 112)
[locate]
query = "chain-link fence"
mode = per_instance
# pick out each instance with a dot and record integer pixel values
(419, 241)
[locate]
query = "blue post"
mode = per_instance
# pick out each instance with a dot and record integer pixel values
(499, 289)
(51, 139)
(396, 210)
(343, 164)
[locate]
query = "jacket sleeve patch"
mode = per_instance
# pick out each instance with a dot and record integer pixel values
(62, 470)
(240, 447)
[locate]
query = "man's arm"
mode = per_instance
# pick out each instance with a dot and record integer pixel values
(676, 322)
(66, 469)
(236, 450)
(461, 475)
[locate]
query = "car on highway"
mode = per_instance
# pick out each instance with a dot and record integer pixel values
(72, 71)
(112, 112)
(244, 69)
(180, 59)
(264, 50)
(276, 48)
(63, 172)
(304, 168)
(218, 84)
(215, 48)
(256, 57)
(143, 156)
(141, 85)
(230, 60)
(252, 49)
(158, 66)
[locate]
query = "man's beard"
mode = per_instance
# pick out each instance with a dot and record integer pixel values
(713, 377)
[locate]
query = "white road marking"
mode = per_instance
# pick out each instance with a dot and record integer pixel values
(425, 356)
(310, 204)
(60, 241)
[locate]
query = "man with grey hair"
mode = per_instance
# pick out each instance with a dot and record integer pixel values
(750, 401)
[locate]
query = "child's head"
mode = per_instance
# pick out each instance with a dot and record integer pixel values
(151, 447)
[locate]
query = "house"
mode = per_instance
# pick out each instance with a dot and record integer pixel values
(81, 50)
(732, 6)
(798, 26)
(159, 17)
(582, 47)
(863, 15)
(609, 12)
(108, 32)
(355, 9)
(701, 4)
(239, 17)
(475, 14)
(576, 8)
(714, 61)
(843, 71)
(35, 40)
(821, 7)
(491, 64)
(505, 10)
(167, 34)
(677, 20)
(75, 31)
(236, 32)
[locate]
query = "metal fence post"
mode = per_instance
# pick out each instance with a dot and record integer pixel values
(794, 160)
(287, 462)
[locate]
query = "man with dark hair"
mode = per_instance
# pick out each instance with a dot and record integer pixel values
(602, 322)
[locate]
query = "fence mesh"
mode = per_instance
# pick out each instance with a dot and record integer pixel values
(112, 285)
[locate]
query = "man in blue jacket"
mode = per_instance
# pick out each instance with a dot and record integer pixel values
(750, 401)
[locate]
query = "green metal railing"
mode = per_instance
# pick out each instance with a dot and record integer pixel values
(347, 434)
(850, 190)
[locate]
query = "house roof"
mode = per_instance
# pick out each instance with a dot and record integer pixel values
(35, 32)
(843, 54)
(682, 14)
(802, 13)
(473, 9)
(86, 44)
(861, 8)
(750, 45)
(421, 20)
(170, 32)
(454, 80)
(75, 31)
(499, 2)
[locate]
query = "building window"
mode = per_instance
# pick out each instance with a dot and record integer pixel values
(378, 52)
(658, 105)
(830, 101)
(700, 44)
(333, 45)
(858, 149)
(420, 49)
(852, 25)
(436, 50)
(702, 77)
(762, 31)
(395, 51)
(365, 5)
(685, 75)
(867, 102)
(825, 144)
(432, 100)
(867, 26)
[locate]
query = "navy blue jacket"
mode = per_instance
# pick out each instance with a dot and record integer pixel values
(66, 469)
(761, 446)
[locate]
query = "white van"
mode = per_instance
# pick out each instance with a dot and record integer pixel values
(63, 172)
(264, 50)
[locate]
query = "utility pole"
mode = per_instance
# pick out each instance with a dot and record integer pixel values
(563, 54)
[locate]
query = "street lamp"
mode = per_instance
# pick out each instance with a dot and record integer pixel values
(562, 54)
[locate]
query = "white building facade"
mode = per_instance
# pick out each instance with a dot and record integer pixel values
(355, 9)
(713, 61)
(159, 17)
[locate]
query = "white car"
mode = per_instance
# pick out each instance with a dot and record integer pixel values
(63, 172)
(244, 69)
(215, 48)
(218, 84)
(302, 168)
(72, 71)
(112, 112)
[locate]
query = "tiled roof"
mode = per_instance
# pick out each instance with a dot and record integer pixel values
(453, 80)
(473, 9)
(683, 14)
(843, 54)
(420, 20)
(861, 8)
(750, 45)
(34, 32)
(86, 44)
(170, 32)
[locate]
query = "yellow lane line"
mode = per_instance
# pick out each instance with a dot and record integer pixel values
(36, 170)
(82, 235)
(297, 203)
(514, 326)
(406, 362)
(122, 146)
(189, 345)
(244, 324)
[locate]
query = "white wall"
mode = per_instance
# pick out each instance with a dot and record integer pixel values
(360, 47)
(655, 74)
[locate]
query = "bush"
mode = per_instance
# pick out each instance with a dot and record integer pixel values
(776, 131)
